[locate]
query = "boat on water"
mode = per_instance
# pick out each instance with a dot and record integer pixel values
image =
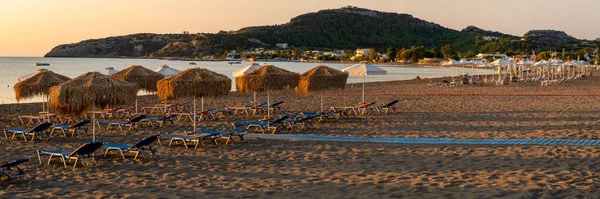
(234, 62)
(42, 64)
(192, 63)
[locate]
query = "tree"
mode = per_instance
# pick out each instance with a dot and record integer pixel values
(448, 51)
(543, 55)
(391, 53)
(295, 53)
(372, 55)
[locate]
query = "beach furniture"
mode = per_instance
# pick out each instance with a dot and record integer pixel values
(220, 114)
(160, 120)
(271, 126)
(361, 109)
(11, 170)
(385, 108)
(75, 128)
(274, 106)
(31, 119)
(195, 139)
(131, 123)
(137, 148)
(247, 108)
(201, 115)
(158, 107)
(84, 154)
(302, 120)
(38, 130)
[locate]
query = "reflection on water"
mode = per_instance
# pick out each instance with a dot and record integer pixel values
(13, 68)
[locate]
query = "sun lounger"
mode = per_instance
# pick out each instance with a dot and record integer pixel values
(273, 107)
(38, 130)
(131, 123)
(160, 120)
(385, 108)
(83, 154)
(273, 126)
(31, 119)
(220, 114)
(248, 108)
(195, 139)
(75, 128)
(302, 120)
(201, 115)
(11, 170)
(356, 110)
(137, 148)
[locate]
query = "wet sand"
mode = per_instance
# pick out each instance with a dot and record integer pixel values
(297, 169)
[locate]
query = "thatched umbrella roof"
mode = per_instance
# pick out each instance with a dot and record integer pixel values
(321, 78)
(193, 82)
(146, 79)
(267, 77)
(91, 90)
(38, 84)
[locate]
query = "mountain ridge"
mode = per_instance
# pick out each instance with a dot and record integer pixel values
(343, 28)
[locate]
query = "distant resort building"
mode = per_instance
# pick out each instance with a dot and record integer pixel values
(282, 45)
(483, 56)
(490, 38)
(362, 52)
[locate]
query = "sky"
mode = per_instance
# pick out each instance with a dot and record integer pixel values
(34, 27)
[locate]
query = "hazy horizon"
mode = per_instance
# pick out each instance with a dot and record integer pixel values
(34, 27)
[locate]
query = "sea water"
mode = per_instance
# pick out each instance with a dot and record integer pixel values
(14, 67)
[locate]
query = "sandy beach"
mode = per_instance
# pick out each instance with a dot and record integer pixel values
(309, 169)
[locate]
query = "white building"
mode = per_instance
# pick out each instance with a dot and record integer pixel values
(482, 56)
(282, 45)
(362, 52)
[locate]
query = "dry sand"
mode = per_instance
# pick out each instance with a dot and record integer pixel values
(296, 169)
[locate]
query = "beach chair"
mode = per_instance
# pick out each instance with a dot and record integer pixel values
(274, 106)
(84, 154)
(160, 120)
(38, 130)
(144, 144)
(385, 108)
(131, 123)
(303, 120)
(193, 138)
(31, 119)
(75, 128)
(220, 114)
(272, 126)
(11, 170)
(247, 108)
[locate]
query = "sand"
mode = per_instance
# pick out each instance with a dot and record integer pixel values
(300, 169)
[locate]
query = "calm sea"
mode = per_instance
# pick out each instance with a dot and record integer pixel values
(14, 67)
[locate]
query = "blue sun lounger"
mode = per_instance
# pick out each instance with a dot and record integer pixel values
(83, 154)
(75, 128)
(35, 131)
(385, 108)
(273, 126)
(12, 170)
(131, 123)
(144, 144)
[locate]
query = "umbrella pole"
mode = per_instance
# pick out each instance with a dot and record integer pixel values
(202, 104)
(94, 124)
(194, 114)
(254, 101)
(268, 107)
(136, 105)
(321, 101)
(363, 91)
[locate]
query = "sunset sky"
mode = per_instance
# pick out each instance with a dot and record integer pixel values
(33, 27)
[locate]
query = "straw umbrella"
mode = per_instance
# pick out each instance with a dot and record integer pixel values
(267, 78)
(245, 70)
(364, 69)
(38, 84)
(321, 78)
(192, 83)
(145, 78)
(90, 91)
